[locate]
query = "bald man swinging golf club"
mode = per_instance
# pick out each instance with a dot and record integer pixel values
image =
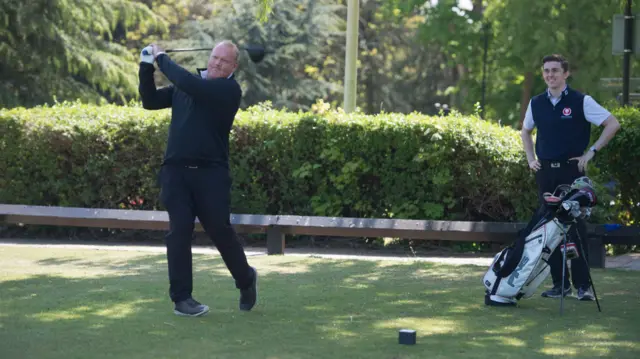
(195, 178)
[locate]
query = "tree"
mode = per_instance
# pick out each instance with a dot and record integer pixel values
(301, 35)
(64, 49)
(264, 9)
(526, 31)
(520, 33)
(398, 72)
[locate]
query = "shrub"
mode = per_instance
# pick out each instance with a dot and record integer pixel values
(321, 163)
(618, 160)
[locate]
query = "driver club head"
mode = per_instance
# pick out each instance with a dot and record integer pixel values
(256, 53)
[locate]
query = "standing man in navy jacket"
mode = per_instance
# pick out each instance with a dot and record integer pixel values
(195, 176)
(564, 117)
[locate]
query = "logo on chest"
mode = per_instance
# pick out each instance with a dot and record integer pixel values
(566, 112)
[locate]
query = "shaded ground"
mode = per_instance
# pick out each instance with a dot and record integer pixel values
(629, 261)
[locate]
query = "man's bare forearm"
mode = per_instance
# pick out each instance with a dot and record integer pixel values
(611, 126)
(527, 141)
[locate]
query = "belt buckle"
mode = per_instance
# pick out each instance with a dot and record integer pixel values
(554, 164)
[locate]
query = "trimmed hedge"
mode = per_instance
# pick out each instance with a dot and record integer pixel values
(619, 161)
(324, 163)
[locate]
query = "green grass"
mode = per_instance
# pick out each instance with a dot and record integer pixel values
(80, 303)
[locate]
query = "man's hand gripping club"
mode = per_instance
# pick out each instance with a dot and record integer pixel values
(149, 53)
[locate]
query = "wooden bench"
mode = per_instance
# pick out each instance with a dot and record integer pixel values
(276, 227)
(602, 234)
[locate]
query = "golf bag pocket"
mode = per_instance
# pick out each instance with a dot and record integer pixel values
(571, 250)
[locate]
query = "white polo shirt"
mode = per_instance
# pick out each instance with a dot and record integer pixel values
(593, 112)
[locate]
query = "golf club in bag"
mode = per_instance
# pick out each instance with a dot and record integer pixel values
(256, 53)
(518, 270)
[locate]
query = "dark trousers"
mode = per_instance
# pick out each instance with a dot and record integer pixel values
(204, 193)
(550, 176)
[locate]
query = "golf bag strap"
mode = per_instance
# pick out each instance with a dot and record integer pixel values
(496, 285)
(497, 266)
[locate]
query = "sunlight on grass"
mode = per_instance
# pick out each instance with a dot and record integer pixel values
(102, 263)
(116, 311)
(513, 342)
(424, 326)
(446, 273)
(336, 331)
(596, 332)
(505, 341)
(323, 308)
(28, 296)
(61, 303)
(406, 301)
(463, 309)
(591, 339)
(509, 329)
(122, 310)
(56, 316)
(564, 350)
(279, 264)
(437, 291)
(368, 277)
(355, 286)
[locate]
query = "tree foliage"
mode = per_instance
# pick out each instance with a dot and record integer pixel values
(519, 34)
(64, 49)
(411, 53)
(298, 36)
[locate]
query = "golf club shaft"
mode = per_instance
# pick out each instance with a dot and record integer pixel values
(185, 50)
(206, 49)
(256, 53)
(564, 266)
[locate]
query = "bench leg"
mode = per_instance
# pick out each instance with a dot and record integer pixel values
(275, 240)
(597, 253)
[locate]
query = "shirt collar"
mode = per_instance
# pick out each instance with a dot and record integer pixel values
(564, 92)
(203, 73)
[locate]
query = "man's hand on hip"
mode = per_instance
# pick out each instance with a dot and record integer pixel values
(534, 165)
(583, 160)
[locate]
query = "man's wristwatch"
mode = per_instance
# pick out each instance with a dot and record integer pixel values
(593, 148)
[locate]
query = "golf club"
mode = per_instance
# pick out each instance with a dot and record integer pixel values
(564, 266)
(256, 53)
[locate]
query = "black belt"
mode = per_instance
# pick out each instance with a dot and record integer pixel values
(558, 164)
(189, 163)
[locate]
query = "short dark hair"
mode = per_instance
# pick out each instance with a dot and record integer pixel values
(557, 58)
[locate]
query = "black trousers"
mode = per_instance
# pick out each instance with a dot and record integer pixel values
(204, 193)
(551, 175)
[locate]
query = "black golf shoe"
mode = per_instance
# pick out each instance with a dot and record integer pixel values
(556, 292)
(190, 308)
(249, 296)
(585, 294)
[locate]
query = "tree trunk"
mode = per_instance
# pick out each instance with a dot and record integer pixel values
(370, 93)
(369, 37)
(527, 86)
(477, 6)
(463, 90)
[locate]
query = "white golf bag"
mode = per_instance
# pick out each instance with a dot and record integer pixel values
(518, 270)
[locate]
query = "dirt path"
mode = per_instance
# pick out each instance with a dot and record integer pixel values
(627, 261)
